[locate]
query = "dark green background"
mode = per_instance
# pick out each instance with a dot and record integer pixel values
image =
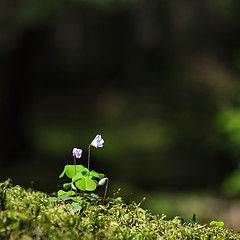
(159, 80)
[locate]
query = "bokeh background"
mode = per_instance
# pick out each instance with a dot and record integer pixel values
(159, 80)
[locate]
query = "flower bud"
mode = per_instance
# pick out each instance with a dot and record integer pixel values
(102, 181)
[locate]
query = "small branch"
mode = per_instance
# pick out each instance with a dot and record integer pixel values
(144, 199)
(200, 227)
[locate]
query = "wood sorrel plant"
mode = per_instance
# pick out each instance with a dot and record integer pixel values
(81, 177)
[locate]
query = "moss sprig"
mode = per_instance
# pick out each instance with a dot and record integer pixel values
(30, 215)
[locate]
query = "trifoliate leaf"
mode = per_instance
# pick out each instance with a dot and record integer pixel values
(86, 184)
(71, 170)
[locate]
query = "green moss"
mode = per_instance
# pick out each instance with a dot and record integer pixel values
(27, 214)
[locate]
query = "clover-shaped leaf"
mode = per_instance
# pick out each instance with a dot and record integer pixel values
(66, 186)
(71, 170)
(62, 193)
(94, 174)
(77, 177)
(86, 184)
(85, 172)
(219, 224)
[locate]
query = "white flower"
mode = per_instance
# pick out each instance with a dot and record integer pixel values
(77, 152)
(97, 142)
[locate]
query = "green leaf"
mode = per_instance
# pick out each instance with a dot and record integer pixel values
(74, 206)
(111, 200)
(52, 199)
(70, 170)
(77, 177)
(77, 199)
(71, 192)
(219, 224)
(85, 172)
(86, 184)
(101, 175)
(61, 192)
(94, 174)
(73, 186)
(66, 186)
(62, 174)
(62, 195)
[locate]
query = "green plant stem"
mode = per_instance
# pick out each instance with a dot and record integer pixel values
(75, 172)
(89, 156)
(75, 164)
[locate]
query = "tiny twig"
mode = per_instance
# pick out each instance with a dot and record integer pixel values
(200, 227)
(144, 199)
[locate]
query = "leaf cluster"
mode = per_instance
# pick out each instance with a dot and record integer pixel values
(219, 224)
(81, 178)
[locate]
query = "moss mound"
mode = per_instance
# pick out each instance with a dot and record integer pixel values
(27, 214)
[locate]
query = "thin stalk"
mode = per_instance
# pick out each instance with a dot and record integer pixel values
(105, 191)
(144, 199)
(75, 172)
(89, 156)
(75, 164)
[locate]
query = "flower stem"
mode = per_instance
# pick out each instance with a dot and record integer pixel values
(105, 191)
(75, 164)
(75, 172)
(89, 156)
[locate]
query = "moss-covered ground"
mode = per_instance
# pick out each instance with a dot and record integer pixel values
(27, 214)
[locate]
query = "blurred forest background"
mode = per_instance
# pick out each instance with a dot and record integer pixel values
(159, 80)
